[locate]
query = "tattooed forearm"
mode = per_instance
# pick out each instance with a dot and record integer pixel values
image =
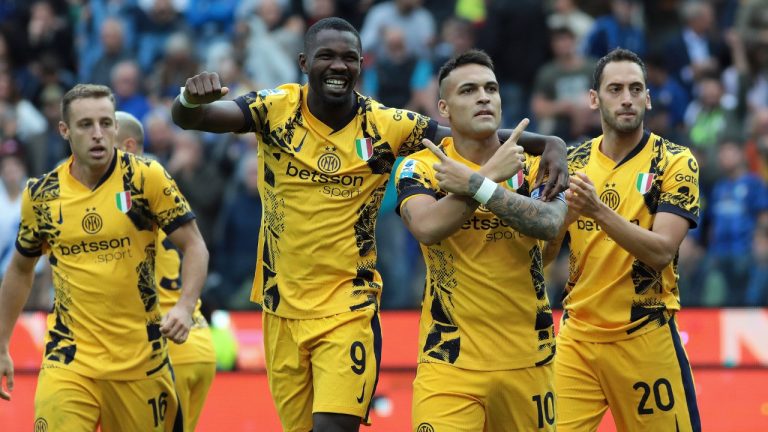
(475, 181)
(528, 216)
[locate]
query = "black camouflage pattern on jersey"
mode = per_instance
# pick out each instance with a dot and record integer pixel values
(278, 141)
(647, 306)
(443, 341)
(544, 324)
(61, 347)
(139, 213)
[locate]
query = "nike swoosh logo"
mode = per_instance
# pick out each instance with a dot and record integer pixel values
(301, 143)
(362, 394)
(61, 218)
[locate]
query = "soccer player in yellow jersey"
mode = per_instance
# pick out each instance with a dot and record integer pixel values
(325, 154)
(486, 332)
(96, 216)
(633, 196)
(194, 361)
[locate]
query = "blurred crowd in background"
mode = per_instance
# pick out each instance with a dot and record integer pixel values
(707, 66)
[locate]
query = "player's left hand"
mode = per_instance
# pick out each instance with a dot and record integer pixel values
(451, 176)
(176, 323)
(554, 163)
(582, 197)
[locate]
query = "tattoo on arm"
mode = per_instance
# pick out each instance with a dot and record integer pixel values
(529, 216)
(475, 181)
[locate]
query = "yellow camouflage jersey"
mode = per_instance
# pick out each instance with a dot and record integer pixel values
(321, 190)
(198, 347)
(610, 295)
(105, 322)
(485, 306)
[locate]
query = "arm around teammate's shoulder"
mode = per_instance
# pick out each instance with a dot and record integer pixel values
(199, 107)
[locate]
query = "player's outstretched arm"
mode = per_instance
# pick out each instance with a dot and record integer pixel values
(198, 106)
(194, 267)
(17, 283)
(656, 247)
(529, 216)
(431, 221)
(553, 156)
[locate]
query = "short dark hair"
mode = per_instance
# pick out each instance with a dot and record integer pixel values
(473, 56)
(331, 23)
(84, 91)
(617, 55)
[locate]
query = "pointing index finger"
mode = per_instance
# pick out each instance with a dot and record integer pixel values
(433, 148)
(518, 130)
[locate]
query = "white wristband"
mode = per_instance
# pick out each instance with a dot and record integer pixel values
(485, 192)
(184, 102)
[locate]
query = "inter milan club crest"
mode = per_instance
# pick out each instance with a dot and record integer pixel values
(364, 147)
(517, 180)
(123, 201)
(644, 182)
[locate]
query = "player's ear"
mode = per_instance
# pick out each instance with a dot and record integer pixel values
(648, 99)
(594, 101)
(442, 108)
(64, 130)
(303, 63)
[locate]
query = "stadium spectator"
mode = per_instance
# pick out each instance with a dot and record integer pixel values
(267, 36)
(615, 30)
(746, 81)
(526, 36)
(49, 34)
(561, 90)
(566, 13)
(56, 148)
(670, 100)
(738, 206)
(178, 61)
(696, 48)
(160, 135)
(210, 21)
(157, 22)
(199, 179)
(237, 233)
(415, 22)
(129, 92)
(111, 51)
(397, 78)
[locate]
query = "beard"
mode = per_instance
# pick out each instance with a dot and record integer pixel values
(623, 127)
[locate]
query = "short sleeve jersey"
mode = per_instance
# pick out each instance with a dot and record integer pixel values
(198, 348)
(321, 190)
(611, 295)
(485, 305)
(101, 244)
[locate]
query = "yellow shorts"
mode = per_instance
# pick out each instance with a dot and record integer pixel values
(67, 401)
(325, 365)
(646, 381)
(192, 383)
(449, 399)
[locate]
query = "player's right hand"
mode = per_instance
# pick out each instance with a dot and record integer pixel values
(6, 374)
(204, 88)
(508, 159)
